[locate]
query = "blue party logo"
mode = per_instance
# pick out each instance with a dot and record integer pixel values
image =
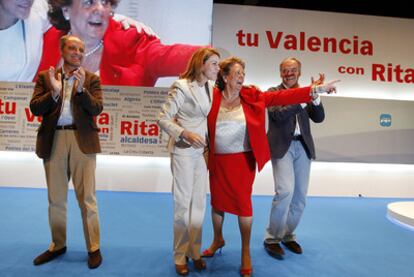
(385, 120)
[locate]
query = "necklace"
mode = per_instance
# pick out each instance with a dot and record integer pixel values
(230, 98)
(93, 50)
(231, 102)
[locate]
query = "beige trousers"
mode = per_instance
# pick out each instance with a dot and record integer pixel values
(189, 192)
(68, 161)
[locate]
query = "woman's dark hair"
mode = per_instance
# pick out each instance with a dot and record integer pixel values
(225, 67)
(55, 13)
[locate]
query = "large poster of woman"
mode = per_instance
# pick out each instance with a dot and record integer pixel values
(133, 56)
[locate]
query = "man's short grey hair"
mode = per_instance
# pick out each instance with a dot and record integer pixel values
(290, 59)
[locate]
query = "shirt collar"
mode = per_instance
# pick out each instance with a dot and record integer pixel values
(66, 77)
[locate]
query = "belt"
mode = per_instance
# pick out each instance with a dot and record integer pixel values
(297, 137)
(66, 127)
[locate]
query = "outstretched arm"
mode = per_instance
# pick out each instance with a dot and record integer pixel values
(287, 96)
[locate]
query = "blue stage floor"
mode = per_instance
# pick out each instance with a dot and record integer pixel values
(340, 237)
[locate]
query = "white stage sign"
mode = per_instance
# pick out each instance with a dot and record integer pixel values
(372, 56)
(127, 124)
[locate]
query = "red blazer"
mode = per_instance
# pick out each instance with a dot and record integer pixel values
(129, 58)
(254, 103)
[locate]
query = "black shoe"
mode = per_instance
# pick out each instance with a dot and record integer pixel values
(293, 246)
(47, 256)
(274, 250)
(95, 259)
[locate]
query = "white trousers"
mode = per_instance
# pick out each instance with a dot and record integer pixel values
(189, 192)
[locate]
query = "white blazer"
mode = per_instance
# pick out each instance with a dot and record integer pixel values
(186, 109)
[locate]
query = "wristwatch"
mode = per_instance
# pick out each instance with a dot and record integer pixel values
(315, 90)
(80, 92)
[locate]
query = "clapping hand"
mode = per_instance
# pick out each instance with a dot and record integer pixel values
(56, 81)
(79, 75)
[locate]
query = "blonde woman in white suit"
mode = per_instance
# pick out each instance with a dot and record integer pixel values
(184, 118)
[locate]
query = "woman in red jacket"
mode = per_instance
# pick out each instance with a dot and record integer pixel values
(118, 56)
(238, 141)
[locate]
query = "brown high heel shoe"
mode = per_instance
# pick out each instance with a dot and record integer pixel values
(208, 253)
(199, 264)
(181, 269)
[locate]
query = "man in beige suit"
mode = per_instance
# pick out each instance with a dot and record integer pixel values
(68, 98)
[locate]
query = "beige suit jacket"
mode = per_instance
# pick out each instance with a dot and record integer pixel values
(186, 109)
